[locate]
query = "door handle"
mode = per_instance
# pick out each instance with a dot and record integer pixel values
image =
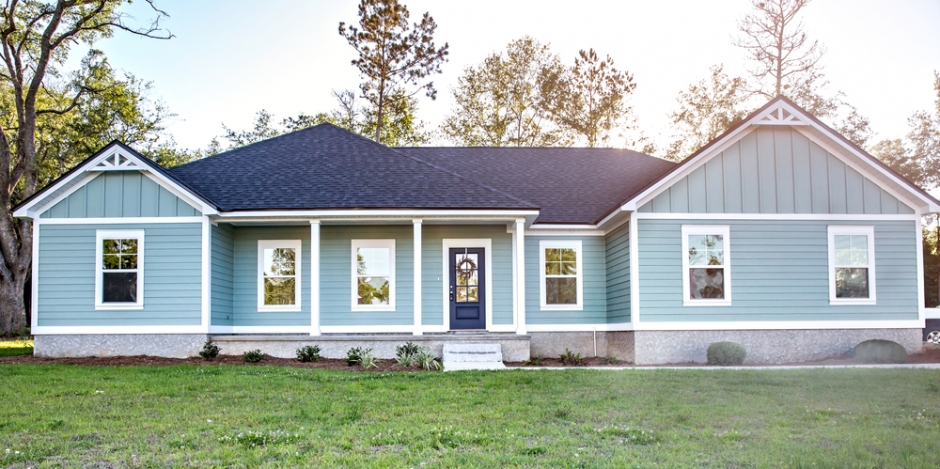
(451, 293)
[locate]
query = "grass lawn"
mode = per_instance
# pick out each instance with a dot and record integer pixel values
(261, 416)
(9, 348)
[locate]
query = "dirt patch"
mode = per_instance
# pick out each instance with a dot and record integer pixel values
(556, 363)
(143, 360)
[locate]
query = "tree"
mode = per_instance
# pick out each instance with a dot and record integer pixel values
(707, 109)
(590, 98)
(393, 55)
(35, 40)
(499, 102)
(917, 157)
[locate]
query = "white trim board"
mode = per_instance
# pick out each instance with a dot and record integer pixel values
(103, 330)
(487, 245)
(847, 230)
(774, 216)
(297, 246)
(259, 329)
(116, 220)
(100, 236)
(579, 275)
(778, 325)
(725, 232)
(355, 245)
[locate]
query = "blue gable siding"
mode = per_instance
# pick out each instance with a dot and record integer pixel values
(245, 279)
(594, 283)
(223, 274)
(618, 274)
(120, 194)
(172, 276)
(779, 272)
(775, 170)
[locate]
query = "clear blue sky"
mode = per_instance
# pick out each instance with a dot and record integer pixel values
(230, 59)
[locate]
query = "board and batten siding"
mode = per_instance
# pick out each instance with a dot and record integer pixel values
(223, 274)
(172, 276)
(434, 276)
(779, 272)
(594, 310)
(775, 170)
(618, 274)
(245, 276)
(120, 194)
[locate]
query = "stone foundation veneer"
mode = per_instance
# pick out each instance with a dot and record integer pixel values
(111, 345)
(609, 344)
(765, 346)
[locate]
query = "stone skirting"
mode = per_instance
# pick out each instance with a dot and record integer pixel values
(588, 344)
(111, 345)
(765, 346)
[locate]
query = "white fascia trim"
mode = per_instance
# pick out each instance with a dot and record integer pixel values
(87, 177)
(259, 329)
(406, 329)
(775, 216)
(182, 193)
(383, 213)
(725, 232)
(295, 244)
(100, 236)
(102, 330)
(622, 326)
(579, 278)
(118, 220)
(846, 230)
(544, 233)
(487, 245)
(778, 325)
(354, 277)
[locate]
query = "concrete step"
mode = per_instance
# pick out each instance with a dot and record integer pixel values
(473, 356)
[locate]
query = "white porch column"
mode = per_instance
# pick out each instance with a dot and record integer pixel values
(417, 274)
(314, 277)
(519, 267)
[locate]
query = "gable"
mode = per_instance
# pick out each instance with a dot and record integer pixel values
(120, 194)
(776, 169)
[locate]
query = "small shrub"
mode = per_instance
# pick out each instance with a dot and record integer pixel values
(309, 353)
(726, 353)
(533, 361)
(572, 359)
(425, 359)
(405, 354)
(368, 360)
(354, 355)
(253, 356)
(611, 360)
(209, 350)
(880, 351)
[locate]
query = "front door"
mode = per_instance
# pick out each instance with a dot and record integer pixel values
(467, 292)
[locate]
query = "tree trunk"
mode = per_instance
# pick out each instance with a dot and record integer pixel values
(12, 308)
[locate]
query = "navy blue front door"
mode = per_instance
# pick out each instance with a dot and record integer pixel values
(467, 292)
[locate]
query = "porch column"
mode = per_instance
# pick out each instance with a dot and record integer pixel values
(519, 267)
(314, 277)
(417, 274)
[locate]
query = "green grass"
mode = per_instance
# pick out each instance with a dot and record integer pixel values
(259, 416)
(9, 348)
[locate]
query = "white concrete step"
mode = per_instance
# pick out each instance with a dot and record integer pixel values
(473, 356)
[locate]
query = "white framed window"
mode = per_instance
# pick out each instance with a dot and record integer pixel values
(562, 275)
(373, 275)
(119, 269)
(279, 282)
(706, 265)
(851, 265)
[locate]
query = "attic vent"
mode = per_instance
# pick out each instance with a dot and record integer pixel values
(780, 116)
(117, 162)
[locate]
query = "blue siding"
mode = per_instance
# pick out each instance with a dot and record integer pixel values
(121, 194)
(775, 170)
(432, 302)
(594, 282)
(779, 272)
(223, 274)
(618, 274)
(172, 276)
(245, 279)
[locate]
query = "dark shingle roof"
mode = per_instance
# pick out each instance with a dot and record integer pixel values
(325, 167)
(571, 185)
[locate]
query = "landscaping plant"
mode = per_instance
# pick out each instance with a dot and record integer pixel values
(726, 353)
(425, 359)
(533, 361)
(367, 360)
(354, 355)
(209, 350)
(253, 356)
(308, 353)
(571, 359)
(405, 354)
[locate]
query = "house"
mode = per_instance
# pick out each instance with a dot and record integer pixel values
(780, 235)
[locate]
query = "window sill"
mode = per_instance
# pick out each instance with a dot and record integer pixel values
(270, 309)
(845, 302)
(118, 307)
(361, 309)
(706, 303)
(562, 308)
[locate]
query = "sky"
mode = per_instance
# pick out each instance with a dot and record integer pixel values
(230, 59)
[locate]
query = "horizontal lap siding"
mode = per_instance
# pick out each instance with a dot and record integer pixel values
(172, 276)
(618, 274)
(594, 282)
(775, 170)
(434, 272)
(779, 272)
(245, 278)
(336, 276)
(223, 252)
(121, 194)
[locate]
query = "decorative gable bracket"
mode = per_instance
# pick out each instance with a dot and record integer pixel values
(780, 116)
(118, 162)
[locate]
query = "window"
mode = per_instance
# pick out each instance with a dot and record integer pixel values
(373, 275)
(562, 275)
(279, 266)
(119, 282)
(851, 265)
(706, 279)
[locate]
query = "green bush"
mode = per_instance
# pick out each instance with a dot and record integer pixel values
(253, 356)
(726, 353)
(406, 354)
(308, 353)
(209, 350)
(880, 351)
(427, 360)
(367, 360)
(533, 361)
(572, 359)
(354, 355)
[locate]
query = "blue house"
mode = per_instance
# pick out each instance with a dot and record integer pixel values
(780, 235)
